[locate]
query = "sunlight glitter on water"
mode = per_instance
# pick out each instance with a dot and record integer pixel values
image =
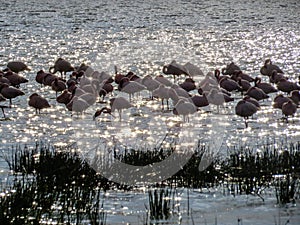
(209, 43)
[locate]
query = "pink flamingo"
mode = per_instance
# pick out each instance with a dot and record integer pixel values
(268, 68)
(287, 86)
(162, 92)
(266, 87)
(17, 66)
(104, 110)
(256, 93)
(15, 79)
(58, 86)
(184, 108)
(279, 100)
(188, 85)
(295, 96)
(64, 97)
(289, 108)
(38, 102)
(245, 109)
(119, 103)
(10, 92)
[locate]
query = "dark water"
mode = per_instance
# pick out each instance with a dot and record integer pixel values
(142, 36)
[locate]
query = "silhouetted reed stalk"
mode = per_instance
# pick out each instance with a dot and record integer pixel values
(161, 203)
(61, 188)
(250, 171)
(286, 189)
(57, 184)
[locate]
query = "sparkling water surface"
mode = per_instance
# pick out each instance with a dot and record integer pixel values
(142, 37)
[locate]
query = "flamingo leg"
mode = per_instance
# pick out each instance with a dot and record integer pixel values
(120, 117)
(168, 104)
(3, 112)
(246, 122)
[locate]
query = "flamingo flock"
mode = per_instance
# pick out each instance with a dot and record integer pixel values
(85, 87)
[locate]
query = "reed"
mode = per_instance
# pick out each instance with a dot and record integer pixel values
(56, 184)
(161, 203)
(286, 189)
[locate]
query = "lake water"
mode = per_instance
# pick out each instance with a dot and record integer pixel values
(142, 37)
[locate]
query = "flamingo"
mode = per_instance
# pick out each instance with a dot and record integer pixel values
(244, 76)
(215, 97)
(174, 69)
(64, 97)
(200, 100)
(105, 90)
(266, 87)
(38, 102)
(130, 87)
(230, 69)
(244, 84)
(229, 84)
(72, 86)
(208, 81)
(40, 75)
(252, 100)
(10, 92)
(133, 77)
(48, 79)
(256, 93)
(15, 79)
(192, 70)
(268, 68)
(287, 86)
(61, 65)
(245, 109)
(276, 77)
(58, 86)
(72, 79)
(279, 100)
(78, 104)
(218, 75)
(184, 108)
(105, 110)
(162, 92)
(175, 95)
(188, 85)
(163, 80)
(150, 83)
(4, 79)
(17, 66)
(289, 108)
(180, 91)
(118, 76)
(119, 103)
(295, 96)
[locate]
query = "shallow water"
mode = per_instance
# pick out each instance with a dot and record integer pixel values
(140, 36)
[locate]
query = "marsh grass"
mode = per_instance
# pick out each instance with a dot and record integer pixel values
(160, 203)
(55, 184)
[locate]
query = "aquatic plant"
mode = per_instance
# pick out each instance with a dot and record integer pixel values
(56, 184)
(162, 204)
(286, 189)
(29, 202)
